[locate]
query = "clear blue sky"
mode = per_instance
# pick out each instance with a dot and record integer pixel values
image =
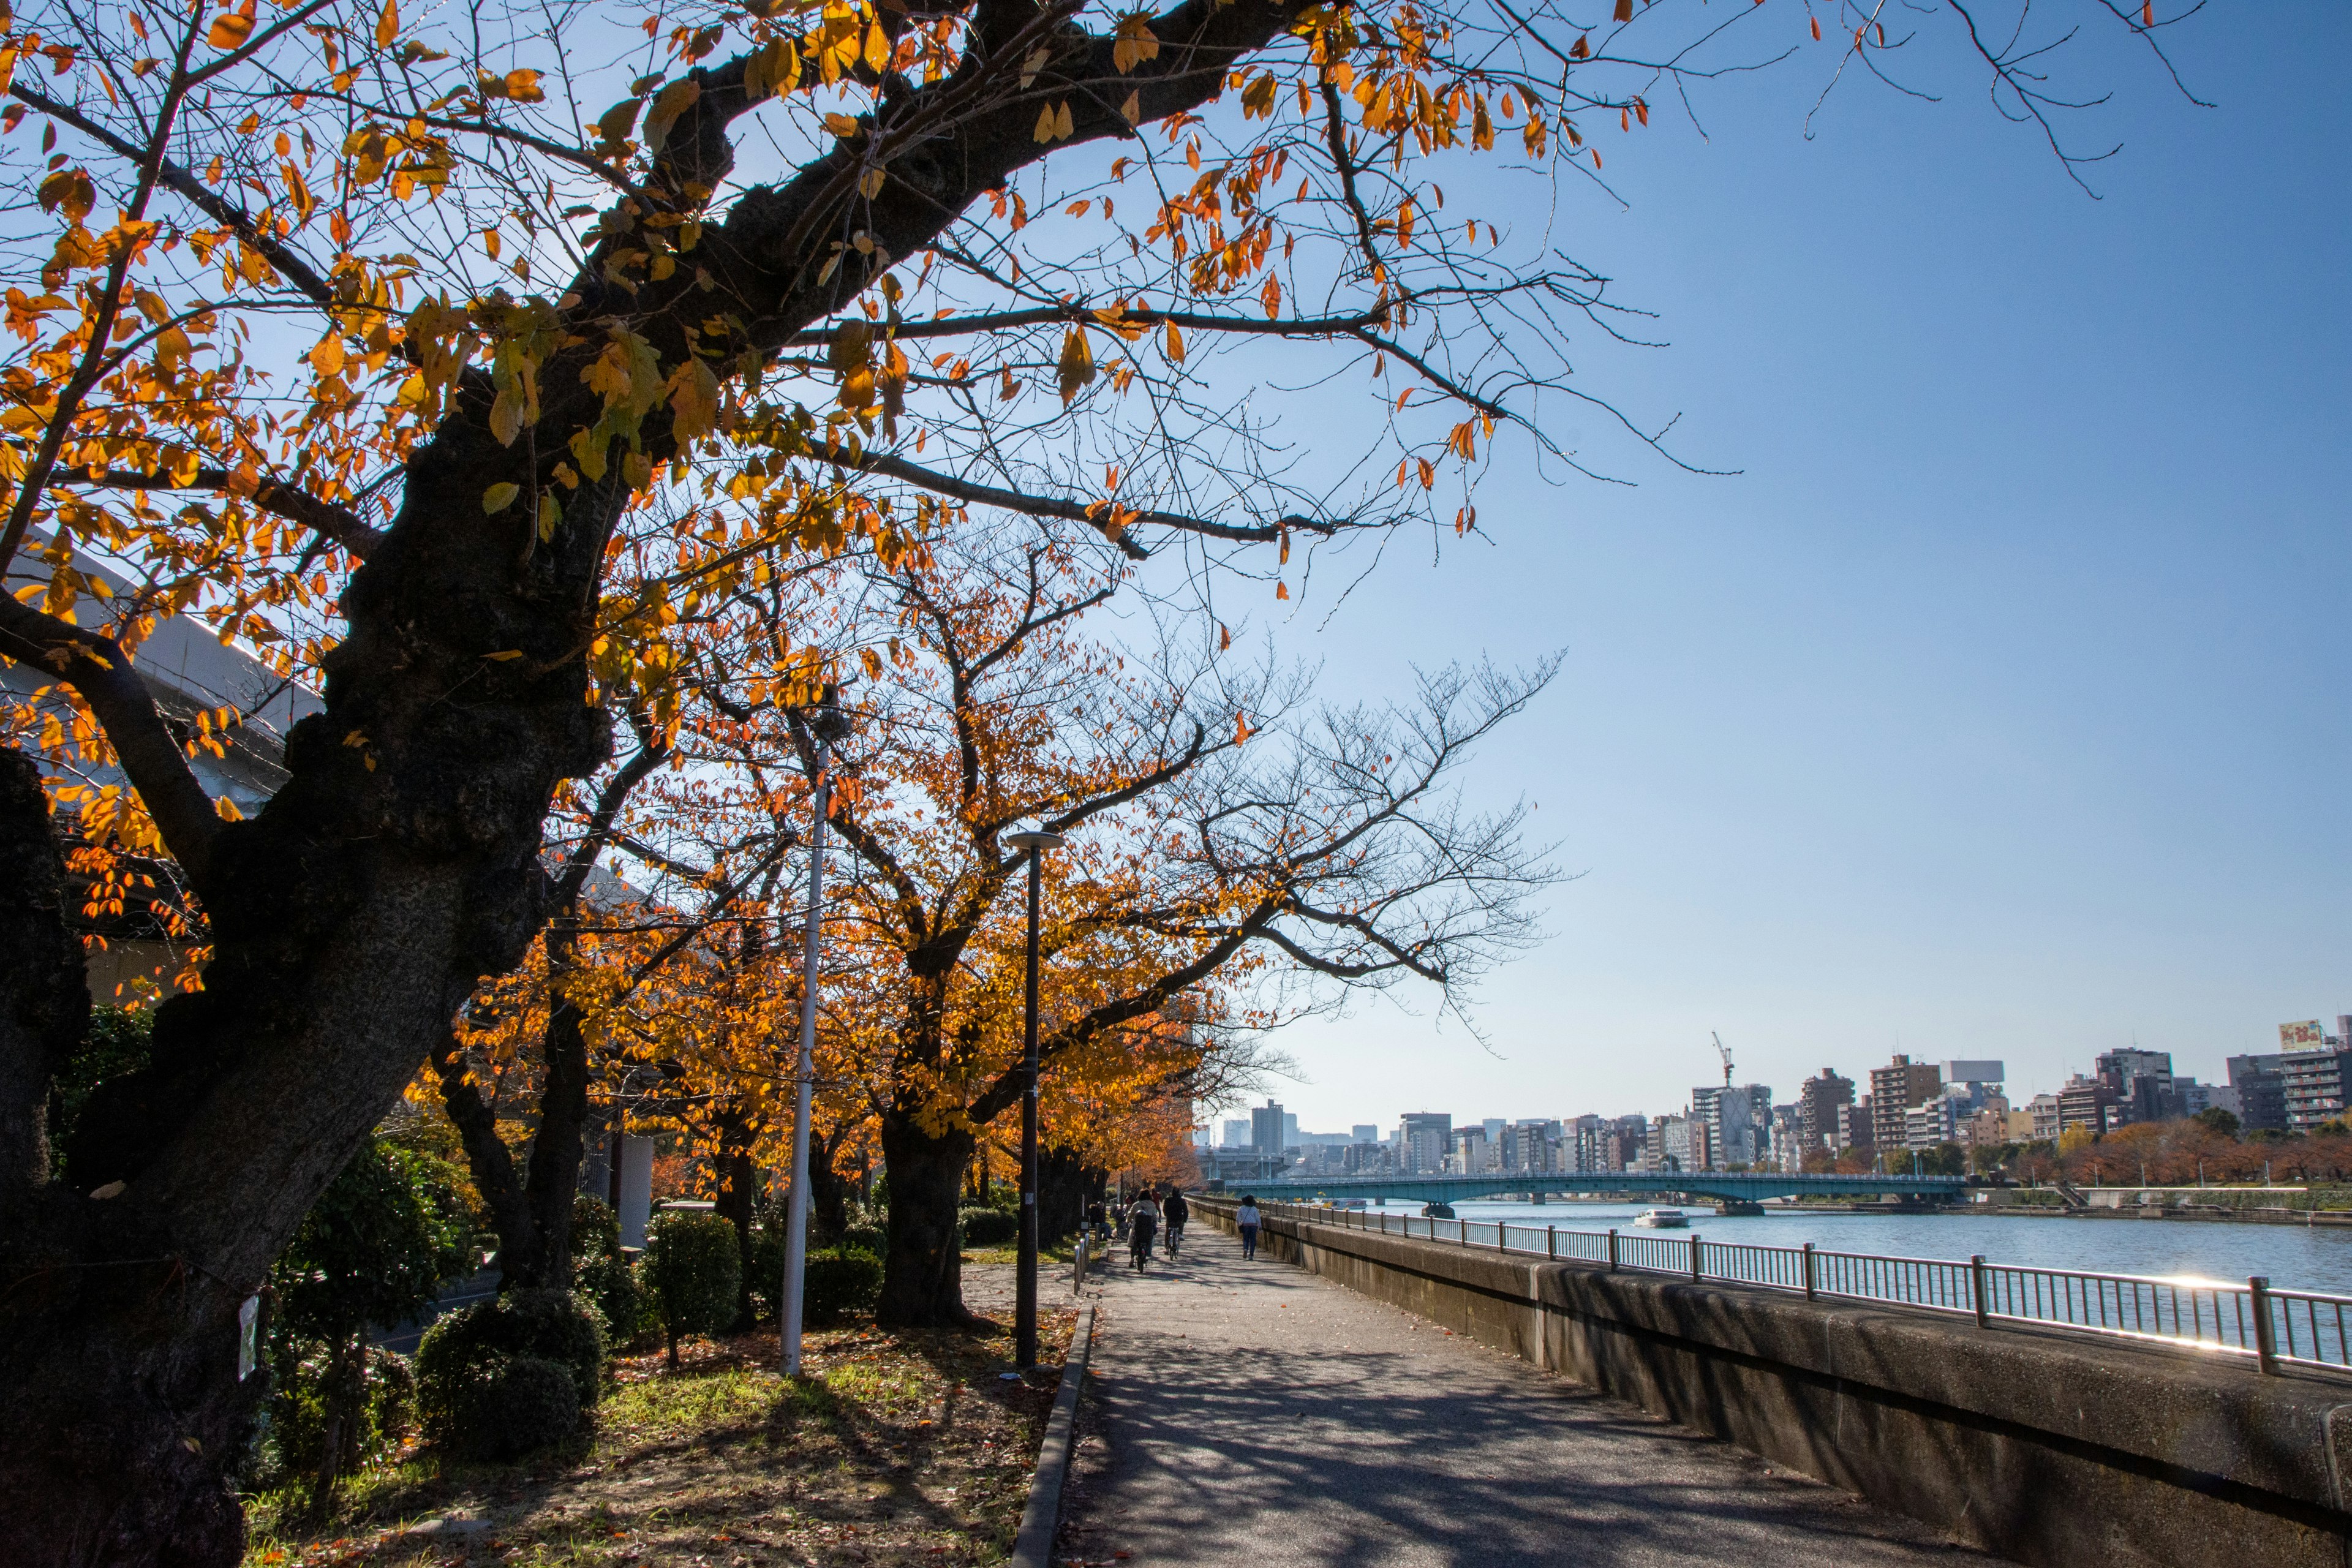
(1999, 708)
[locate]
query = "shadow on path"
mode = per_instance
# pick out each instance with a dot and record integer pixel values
(1251, 1413)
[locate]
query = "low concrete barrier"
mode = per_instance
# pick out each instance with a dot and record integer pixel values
(2030, 1443)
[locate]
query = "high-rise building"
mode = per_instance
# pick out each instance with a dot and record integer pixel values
(1895, 1089)
(2261, 1092)
(2317, 1085)
(1289, 1130)
(1425, 1138)
(2088, 1102)
(1857, 1127)
(1819, 1099)
(1268, 1124)
(1236, 1134)
(1739, 1120)
(2045, 1110)
(1532, 1145)
(2142, 1083)
(1364, 1132)
(1788, 1137)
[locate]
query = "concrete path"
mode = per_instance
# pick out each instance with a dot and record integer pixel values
(1252, 1414)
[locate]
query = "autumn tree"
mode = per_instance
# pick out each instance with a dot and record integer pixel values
(376, 338)
(1226, 835)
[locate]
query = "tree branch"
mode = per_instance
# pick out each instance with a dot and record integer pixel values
(338, 525)
(96, 666)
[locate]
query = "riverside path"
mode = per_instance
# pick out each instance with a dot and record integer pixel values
(1251, 1414)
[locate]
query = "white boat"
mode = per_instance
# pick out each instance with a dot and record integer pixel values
(1663, 1219)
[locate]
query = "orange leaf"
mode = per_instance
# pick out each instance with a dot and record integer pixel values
(1817, 29)
(387, 26)
(1624, 11)
(231, 28)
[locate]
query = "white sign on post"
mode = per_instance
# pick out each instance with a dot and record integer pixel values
(248, 1320)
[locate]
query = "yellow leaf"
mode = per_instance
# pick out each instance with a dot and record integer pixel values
(503, 657)
(1078, 364)
(877, 47)
(1045, 131)
(387, 26)
(523, 86)
(500, 496)
(1175, 344)
(1133, 108)
(693, 399)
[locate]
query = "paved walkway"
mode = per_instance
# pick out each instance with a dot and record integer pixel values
(1253, 1414)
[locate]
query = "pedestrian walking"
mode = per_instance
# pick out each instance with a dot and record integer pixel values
(1143, 1224)
(1246, 1218)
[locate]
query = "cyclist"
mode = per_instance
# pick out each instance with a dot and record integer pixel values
(1143, 1222)
(1177, 1211)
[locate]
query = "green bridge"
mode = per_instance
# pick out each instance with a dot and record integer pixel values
(1750, 1186)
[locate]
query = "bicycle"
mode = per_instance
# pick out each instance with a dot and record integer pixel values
(1175, 1239)
(1141, 1246)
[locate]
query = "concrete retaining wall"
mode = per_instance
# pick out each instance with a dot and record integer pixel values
(2037, 1444)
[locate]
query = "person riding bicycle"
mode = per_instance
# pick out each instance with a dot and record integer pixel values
(1143, 1222)
(1177, 1212)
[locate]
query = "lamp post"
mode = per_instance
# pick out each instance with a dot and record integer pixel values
(1024, 1298)
(829, 726)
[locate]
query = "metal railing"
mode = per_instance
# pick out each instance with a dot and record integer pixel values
(2273, 1329)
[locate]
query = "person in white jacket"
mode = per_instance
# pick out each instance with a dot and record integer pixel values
(1246, 1218)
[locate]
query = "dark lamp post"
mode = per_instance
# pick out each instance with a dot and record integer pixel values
(1025, 1300)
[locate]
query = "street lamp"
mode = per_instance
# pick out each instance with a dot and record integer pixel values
(1024, 1298)
(829, 726)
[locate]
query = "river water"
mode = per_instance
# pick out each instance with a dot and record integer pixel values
(2292, 1257)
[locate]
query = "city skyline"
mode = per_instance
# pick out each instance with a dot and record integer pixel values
(2288, 1035)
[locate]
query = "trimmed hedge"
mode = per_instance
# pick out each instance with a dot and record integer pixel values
(475, 1393)
(988, 1227)
(695, 1272)
(840, 1281)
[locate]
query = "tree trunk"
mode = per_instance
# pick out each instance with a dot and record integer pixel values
(828, 1193)
(1061, 1195)
(119, 1407)
(923, 1273)
(738, 1191)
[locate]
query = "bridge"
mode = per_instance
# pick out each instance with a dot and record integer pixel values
(1739, 1187)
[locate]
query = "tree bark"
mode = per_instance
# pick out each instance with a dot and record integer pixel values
(118, 1404)
(738, 1195)
(1061, 1195)
(828, 1193)
(44, 995)
(922, 1279)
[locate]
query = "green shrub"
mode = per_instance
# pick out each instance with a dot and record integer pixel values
(766, 1280)
(870, 1238)
(596, 1228)
(301, 1400)
(520, 1403)
(478, 1348)
(839, 1281)
(611, 1285)
(988, 1227)
(695, 1272)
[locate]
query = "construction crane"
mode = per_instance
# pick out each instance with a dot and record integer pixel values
(1725, 1052)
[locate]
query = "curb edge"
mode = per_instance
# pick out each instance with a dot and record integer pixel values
(1034, 1547)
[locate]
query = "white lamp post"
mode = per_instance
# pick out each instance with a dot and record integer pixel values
(830, 726)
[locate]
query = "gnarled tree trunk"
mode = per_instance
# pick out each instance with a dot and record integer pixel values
(923, 1282)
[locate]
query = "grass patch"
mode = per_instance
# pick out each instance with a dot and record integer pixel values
(896, 1450)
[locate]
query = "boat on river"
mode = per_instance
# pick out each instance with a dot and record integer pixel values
(1663, 1219)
